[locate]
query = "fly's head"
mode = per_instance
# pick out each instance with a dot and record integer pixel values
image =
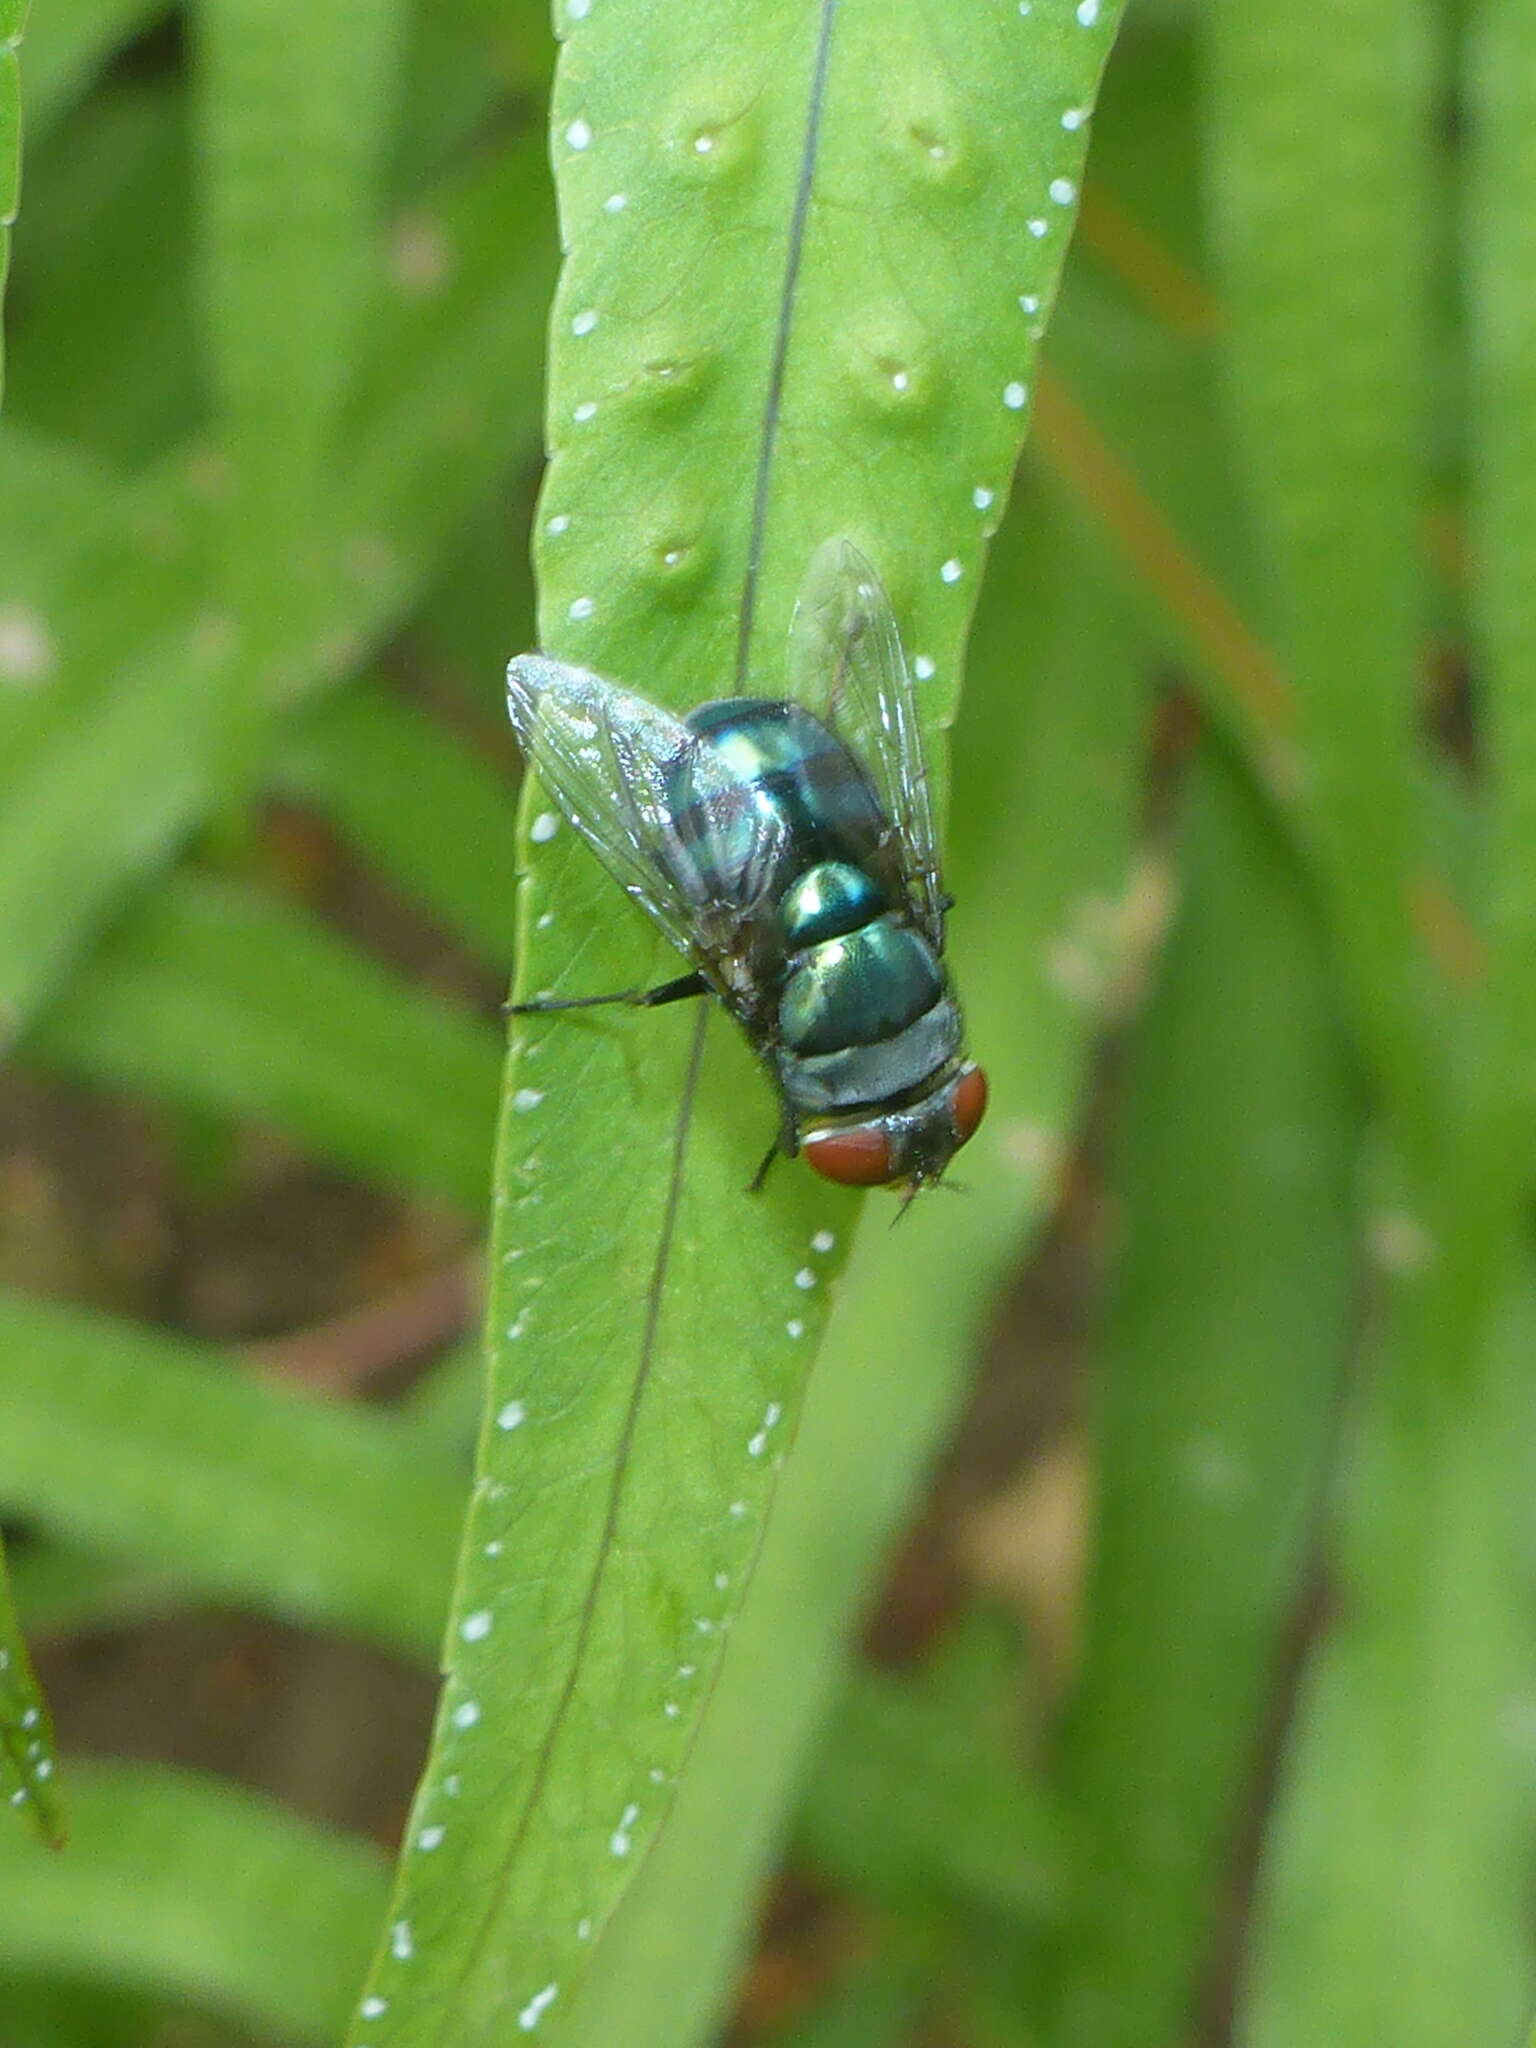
(906, 1149)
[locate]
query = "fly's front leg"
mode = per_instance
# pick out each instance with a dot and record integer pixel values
(637, 998)
(786, 1139)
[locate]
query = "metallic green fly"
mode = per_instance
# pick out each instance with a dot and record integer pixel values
(786, 847)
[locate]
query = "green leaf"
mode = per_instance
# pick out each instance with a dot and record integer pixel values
(61, 1590)
(901, 1806)
(293, 107)
(104, 358)
(1046, 778)
(134, 1441)
(13, 18)
(91, 798)
(1395, 1893)
(416, 803)
(797, 246)
(1230, 1328)
(1395, 1896)
(1502, 509)
(28, 1760)
(194, 1889)
(67, 46)
(1317, 147)
(880, 2005)
(207, 997)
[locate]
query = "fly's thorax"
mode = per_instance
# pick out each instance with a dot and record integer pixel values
(801, 768)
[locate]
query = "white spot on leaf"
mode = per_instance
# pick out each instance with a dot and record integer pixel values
(536, 2007)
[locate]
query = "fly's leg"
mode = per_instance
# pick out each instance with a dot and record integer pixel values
(755, 1185)
(785, 1139)
(638, 998)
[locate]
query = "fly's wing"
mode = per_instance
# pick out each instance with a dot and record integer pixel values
(846, 663)
(613, 763)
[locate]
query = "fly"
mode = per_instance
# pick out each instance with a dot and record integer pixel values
(786, 848)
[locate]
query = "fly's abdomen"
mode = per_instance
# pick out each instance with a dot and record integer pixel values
(858, 989)
(827, 902)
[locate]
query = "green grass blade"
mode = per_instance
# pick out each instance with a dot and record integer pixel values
(13, 18)
(1317, 147)
(901, 1808)
(1502, 512)
(416, 803)
(879, 2006)
(46, 2014)
(91, 799)
(1227, 1339)
(123, 1438)
(208, 997)
(1046, 781)
(104, 358)
(193, 1889)
(61, 1590)
(69, 45)
(1395, 1899)
(28, 1759)
(294, 107)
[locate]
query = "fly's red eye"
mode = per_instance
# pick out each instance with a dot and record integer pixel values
(858, 1157)
(968, 1103)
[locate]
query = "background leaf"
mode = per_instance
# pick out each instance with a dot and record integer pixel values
(193, 1887)
(1223, 1360)
(243, 1490)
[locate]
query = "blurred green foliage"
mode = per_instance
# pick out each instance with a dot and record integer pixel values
(1241, 795)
